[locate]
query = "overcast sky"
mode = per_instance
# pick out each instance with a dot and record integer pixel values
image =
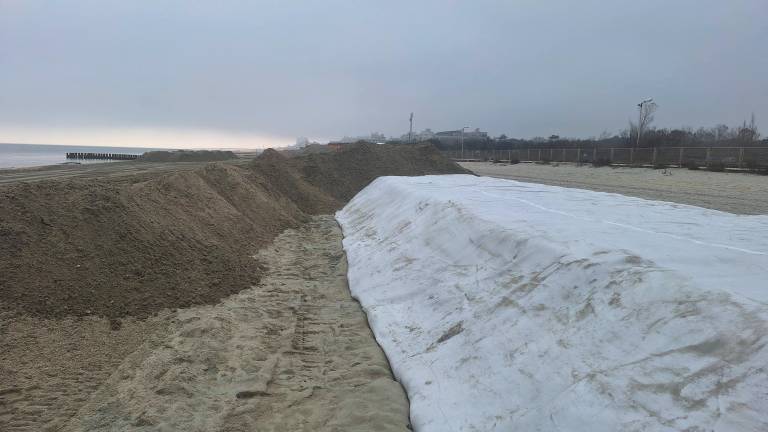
(256, 73)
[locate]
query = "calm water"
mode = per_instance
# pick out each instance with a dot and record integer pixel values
(29, 155)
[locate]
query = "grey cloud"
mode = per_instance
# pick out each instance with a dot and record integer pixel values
(328, 68)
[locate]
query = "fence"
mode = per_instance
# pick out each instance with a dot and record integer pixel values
(732, 157)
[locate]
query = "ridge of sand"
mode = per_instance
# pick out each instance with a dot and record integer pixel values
(94, 261)
(136, 245)
(293, 353)
(187, 156)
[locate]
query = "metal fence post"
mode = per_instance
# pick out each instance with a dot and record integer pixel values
(741, 157)
(726, 154)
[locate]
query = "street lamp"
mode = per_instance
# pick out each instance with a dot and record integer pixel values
(462, 140)
(640, 119)
(410, 130)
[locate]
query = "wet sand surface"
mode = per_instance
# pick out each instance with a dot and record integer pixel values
(738, 193)
(294, 353)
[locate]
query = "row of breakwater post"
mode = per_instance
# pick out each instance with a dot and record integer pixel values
(102, 156)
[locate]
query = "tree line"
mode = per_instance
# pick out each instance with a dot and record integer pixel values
(721, 135)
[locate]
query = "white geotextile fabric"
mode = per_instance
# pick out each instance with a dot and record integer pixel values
(504, 305)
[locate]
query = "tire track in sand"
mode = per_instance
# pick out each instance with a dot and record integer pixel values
(292, 354)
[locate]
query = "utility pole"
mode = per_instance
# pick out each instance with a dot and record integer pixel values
(410, 131)
(462, 140)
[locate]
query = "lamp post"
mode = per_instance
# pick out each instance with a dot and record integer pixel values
(640, 119)
(410, 130)
(462, 140)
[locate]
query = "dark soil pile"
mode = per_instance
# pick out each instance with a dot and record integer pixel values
(308, 149)
(83, 248)
(187, 156)
(74, 247)
(282, 177)
(343, 174)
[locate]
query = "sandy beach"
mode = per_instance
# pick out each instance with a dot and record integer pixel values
(49, 367)
(738, 193)
(197, 297)
(293, 353)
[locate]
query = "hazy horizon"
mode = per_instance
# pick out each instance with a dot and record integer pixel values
(142, 138)
(252, 75)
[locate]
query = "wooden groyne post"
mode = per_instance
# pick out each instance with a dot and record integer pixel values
(102, 156)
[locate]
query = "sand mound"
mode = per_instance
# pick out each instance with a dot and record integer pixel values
(270, 154)
(285, 182)
(343, 174)
(81, 248)
(109, 248)
(187, 156)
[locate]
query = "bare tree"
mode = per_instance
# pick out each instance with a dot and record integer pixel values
(645, 118)
(626, 134)
(753, 128)
(747, 132)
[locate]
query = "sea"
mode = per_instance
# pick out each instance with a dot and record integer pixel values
(31, 155)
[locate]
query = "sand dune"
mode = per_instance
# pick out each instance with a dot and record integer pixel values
(125, 296)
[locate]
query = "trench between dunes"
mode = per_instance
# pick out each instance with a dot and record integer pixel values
(97, 273)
